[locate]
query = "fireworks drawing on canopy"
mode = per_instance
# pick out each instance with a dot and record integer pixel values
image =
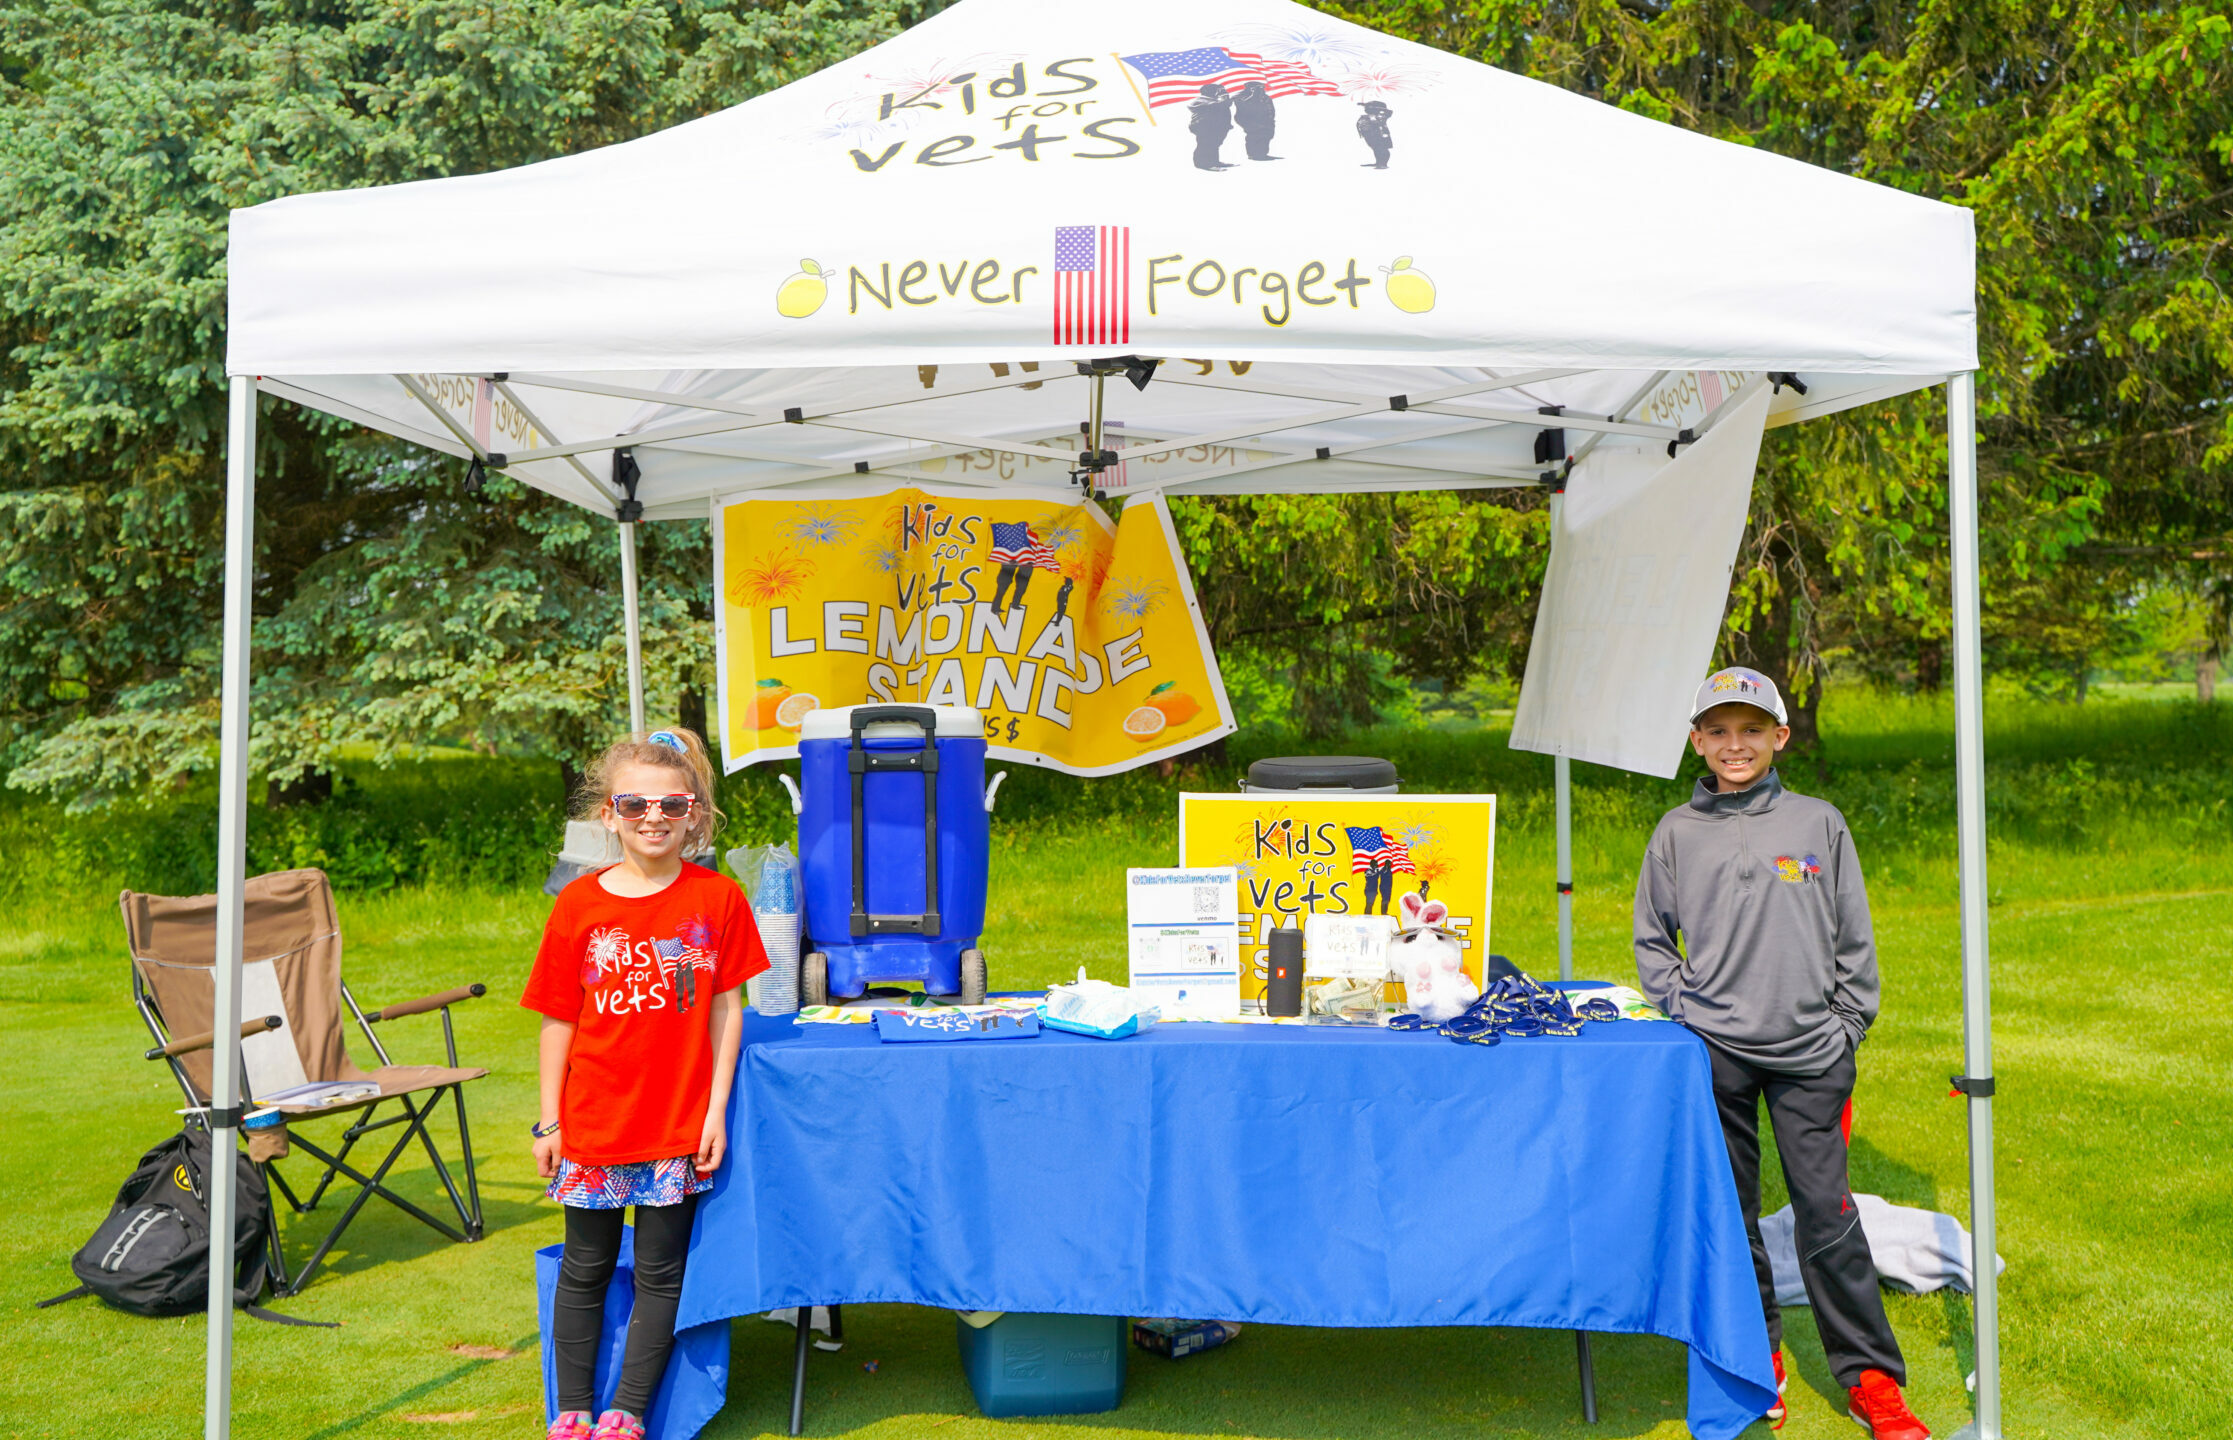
(853, 123)
(862, 119)
(885, 558)
(1380, 79)
(1321, 47)
(930, 80)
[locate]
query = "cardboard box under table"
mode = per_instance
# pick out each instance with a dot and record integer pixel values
(1575, 1183)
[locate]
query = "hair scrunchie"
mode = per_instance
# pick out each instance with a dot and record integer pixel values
(669, 739)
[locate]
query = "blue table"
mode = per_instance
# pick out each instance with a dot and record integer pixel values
(1288, 1175)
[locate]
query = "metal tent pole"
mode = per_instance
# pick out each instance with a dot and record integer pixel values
(232, 865)
(1562, 787)
(1562, 773)
(634, 613)
(1969, 795)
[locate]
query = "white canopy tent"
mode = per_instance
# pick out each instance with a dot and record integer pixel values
(1387, 269)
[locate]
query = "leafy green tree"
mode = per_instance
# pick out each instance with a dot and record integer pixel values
(1324, 589)
(2094, 142)
(393, 608)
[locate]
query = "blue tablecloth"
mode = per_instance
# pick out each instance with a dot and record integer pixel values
(1289, 1175)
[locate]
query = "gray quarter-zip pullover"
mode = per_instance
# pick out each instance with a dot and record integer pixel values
(1777, 963)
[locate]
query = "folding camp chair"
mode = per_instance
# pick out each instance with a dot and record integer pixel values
(291, 984)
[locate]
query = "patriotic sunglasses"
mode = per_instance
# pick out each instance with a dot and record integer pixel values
(635, 807)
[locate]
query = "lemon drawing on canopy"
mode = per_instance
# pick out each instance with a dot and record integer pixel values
(1409, 289)
(802, 294)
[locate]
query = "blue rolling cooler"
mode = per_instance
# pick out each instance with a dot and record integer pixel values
(895, 835)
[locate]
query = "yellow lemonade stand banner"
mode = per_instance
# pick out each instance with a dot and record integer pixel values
(1345, 855)
(1079, 640)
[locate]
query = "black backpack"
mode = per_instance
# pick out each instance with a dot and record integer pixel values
(151, 1255)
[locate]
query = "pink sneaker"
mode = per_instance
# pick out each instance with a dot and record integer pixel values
(618, 1425)
(571, 1425)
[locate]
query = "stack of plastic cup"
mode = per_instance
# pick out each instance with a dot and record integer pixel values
(776, 990)
(776, 911)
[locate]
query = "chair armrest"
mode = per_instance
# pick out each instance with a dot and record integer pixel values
(425, 1003)
(187, 1044)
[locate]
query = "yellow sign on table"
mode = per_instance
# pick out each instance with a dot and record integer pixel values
(1304, 854)
(1079, 640)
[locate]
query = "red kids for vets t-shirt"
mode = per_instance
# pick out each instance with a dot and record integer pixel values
(641, 1069)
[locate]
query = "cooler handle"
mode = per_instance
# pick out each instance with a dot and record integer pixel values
(860, 760)
(798, 802)
(923, 717)
(993, 789)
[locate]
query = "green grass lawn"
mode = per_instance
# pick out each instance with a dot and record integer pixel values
(2112, 937)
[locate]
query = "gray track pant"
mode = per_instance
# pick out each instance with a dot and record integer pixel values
(1833, 1250)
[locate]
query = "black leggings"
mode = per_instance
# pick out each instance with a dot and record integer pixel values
(592, 1250)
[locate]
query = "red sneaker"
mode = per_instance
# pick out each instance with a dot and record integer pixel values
(1876, 1406)
(1775, 1409)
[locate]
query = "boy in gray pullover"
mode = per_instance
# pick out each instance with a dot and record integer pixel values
(1752, 928)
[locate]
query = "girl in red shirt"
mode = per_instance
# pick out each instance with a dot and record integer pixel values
(637, 983)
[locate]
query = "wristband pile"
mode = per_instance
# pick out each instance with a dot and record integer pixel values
(1516, 1007)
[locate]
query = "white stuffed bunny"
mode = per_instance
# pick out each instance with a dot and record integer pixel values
(1431, 960)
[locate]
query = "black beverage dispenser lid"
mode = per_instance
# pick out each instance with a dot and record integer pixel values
(1322, 772)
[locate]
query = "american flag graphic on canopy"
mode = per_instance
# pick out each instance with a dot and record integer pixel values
(1369, 846)
(1092, 284)
(1019, 544)
(1177, 76)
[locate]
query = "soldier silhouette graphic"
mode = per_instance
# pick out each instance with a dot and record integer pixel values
(1210, 117)
(1257, 116)
(1372, 127)
(1017, 550)
(1009, 574)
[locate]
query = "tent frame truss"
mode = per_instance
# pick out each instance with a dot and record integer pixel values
(713, 416)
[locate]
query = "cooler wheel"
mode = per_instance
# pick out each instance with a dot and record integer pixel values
(814, 978)
(972, 977)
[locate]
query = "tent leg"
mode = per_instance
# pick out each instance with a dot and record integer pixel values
(1562, 771)
(1562, 785)
(232, 865)
(1969, 797)
(629, 603)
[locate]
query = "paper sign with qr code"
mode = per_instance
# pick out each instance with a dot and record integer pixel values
(1184, 949)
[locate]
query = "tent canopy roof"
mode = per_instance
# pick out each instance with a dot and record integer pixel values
(894, 266)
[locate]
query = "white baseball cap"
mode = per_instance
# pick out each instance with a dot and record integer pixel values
(1739, 686)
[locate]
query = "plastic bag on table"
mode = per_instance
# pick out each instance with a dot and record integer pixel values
(1097, 1008)
(770, 877)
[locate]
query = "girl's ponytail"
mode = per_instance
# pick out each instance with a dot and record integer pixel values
(673, 748)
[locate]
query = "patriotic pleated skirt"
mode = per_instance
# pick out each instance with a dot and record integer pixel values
(639, 1182)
